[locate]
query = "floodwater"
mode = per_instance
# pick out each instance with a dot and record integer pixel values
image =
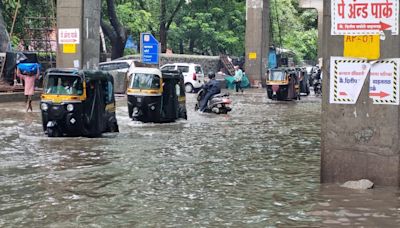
(256, 167)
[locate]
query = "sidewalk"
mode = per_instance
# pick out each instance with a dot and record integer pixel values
(16, 96)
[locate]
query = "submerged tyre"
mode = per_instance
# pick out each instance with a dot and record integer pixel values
(51, 132)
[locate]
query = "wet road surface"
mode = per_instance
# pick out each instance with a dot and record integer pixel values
(256, 167)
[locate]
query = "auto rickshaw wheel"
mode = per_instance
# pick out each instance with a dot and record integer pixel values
(52, 132)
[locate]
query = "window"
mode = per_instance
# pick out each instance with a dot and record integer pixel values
(198, 69)
(145, 81)
(109, 92)
(123, 65)
(109, 66)
(183, 69)
(63, 85)
(168, 68)
(277, 76)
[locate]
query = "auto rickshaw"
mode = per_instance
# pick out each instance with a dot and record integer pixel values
(78, 103)
(283, 84)
(156, 96)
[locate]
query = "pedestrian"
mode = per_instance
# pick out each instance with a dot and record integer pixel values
(238, 78)
(29, 87)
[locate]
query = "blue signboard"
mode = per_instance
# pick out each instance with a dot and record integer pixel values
(150, 49)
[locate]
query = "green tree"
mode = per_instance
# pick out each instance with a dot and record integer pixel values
(4, 39)
(293, 28)
(115, 31)
(210, 27)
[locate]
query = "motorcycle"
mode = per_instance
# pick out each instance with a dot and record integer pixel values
(317, 87)
(218, 103)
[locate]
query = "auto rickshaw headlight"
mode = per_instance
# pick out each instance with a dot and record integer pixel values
(44, 107)
(70, 107)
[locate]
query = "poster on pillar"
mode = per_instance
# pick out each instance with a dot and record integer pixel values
(364, 17)
(384, 82)
(347, 77)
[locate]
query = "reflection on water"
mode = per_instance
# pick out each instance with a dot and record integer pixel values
(257, 167)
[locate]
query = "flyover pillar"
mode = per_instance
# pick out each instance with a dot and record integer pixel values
(359, 140)
(257, 40)
(78, 26)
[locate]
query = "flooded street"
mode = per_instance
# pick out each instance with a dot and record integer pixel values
(256, 167)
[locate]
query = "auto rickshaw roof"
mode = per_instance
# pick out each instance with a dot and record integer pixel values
(90, 75)
(172, 74)
(94, 75)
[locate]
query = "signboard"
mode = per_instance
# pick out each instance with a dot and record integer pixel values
(384, 82)
(252, 55)
(367, 46)
(68, 36)
(347, 79)
(150, 49)
(364, 17)
(69, 48)
(130, 43)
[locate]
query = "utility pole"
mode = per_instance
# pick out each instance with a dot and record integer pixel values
(257, 40)
(78, 26)
(360, 140)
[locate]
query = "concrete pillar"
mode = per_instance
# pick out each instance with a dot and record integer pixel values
(83, 15)
(257, 39)
(319, 6)
(360, 140)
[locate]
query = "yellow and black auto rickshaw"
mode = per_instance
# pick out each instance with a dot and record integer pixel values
(78, 103)
(156, 96)
(283, 84)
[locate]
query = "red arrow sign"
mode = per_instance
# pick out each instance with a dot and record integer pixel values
(363, 26)
(342, 93)
(381, 94)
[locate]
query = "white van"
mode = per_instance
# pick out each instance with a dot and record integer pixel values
(193, 74)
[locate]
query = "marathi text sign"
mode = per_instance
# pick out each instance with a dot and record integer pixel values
(347, 77)
(364, 17)
(384, 82)
(68, 36)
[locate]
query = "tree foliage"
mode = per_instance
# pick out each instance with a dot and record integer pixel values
(294, 29)
(193, 26)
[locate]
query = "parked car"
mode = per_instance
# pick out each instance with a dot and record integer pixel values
(193, 74)
(125, 66)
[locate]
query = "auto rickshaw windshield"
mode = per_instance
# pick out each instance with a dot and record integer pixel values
(63, 85)
(277, 76)
(145, 81)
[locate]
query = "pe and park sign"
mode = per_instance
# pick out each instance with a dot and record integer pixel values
(362, 23)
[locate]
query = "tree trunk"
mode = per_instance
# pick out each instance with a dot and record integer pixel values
(163, 21)
(115, 32)
(191, 45)
(4, 38)
(165, 24)
(180, 46)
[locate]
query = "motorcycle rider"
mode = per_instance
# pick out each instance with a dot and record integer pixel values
(211, 88)
(317, 82)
